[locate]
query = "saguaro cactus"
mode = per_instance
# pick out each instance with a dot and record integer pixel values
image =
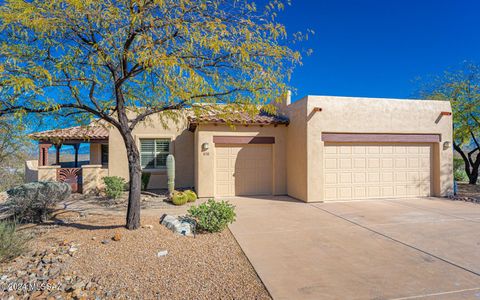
(171, 173)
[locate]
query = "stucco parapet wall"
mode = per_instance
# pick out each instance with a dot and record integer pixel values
(389, 105)
(92, 178)
(47, 173)
(377, 115)
(346, 98)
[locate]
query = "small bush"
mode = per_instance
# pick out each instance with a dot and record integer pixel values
(213, 216)
(459, 169)
(179, 198)
(458, 163)
(460, 175)
(12, 242)
(114, 186)
(33, 202)
(190, 195)
(145, 180)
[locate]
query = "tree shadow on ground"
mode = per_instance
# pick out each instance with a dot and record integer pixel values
(82, 226)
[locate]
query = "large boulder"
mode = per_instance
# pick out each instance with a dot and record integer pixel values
(32, 202)
(179, 225)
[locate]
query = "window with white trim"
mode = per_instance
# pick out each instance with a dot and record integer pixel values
(153, 153)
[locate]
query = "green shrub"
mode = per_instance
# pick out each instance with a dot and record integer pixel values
(459, 169)
(33, 202)
(114, 186)
(458, 163)
(190, 195)
(213, 216)
(145, 180)
(460, 175)
(12, 242)
(179, 198)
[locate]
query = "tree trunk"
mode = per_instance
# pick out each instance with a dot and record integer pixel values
(471, 167)
(473, 176)
(135, 174)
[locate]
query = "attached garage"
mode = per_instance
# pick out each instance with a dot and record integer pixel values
(243, 169)
(369, 170)
(364, 171)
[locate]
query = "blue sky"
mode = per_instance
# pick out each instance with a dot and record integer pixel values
(376, 48)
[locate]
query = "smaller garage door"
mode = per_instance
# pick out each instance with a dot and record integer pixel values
(367, 171)
(242, 170)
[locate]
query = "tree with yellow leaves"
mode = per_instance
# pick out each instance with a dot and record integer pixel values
(121, 61)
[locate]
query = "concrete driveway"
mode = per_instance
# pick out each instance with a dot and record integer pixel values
(382, 249)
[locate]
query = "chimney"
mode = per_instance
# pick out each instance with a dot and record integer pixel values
(288, 98)
(283, 103)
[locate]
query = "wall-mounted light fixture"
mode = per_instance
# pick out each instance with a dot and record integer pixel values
(205, 146)
(446, 145)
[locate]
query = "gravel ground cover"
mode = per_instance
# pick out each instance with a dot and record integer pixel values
(110, 262)
(467, 192)
(151, 204)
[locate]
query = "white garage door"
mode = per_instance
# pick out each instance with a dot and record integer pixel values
(242, 170)
(363, 171)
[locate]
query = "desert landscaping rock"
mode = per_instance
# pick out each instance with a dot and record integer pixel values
(211, 266)
(117, 237)
(177, 225)
(41, 275)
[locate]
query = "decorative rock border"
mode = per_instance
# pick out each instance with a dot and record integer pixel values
(463, 198)
(43, 276)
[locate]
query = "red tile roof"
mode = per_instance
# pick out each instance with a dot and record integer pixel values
(98, 132)
(262, 118)
(95, 132)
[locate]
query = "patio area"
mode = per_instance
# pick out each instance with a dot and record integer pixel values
(84, 175)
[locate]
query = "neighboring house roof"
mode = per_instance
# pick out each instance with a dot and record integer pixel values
(95, 132)
(262, 118)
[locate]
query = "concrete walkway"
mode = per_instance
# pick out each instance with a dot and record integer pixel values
(382, 249)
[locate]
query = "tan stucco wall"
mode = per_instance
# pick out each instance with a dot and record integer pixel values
(95, 154)
(296, 150)
(367, 115)
(205, 181)
(92, 180)
(47, 173)
(181, 147)
(31, 170)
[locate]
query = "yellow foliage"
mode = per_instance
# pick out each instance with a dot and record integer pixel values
(153, 53)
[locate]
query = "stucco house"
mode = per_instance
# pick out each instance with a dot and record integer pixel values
(319, 148)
